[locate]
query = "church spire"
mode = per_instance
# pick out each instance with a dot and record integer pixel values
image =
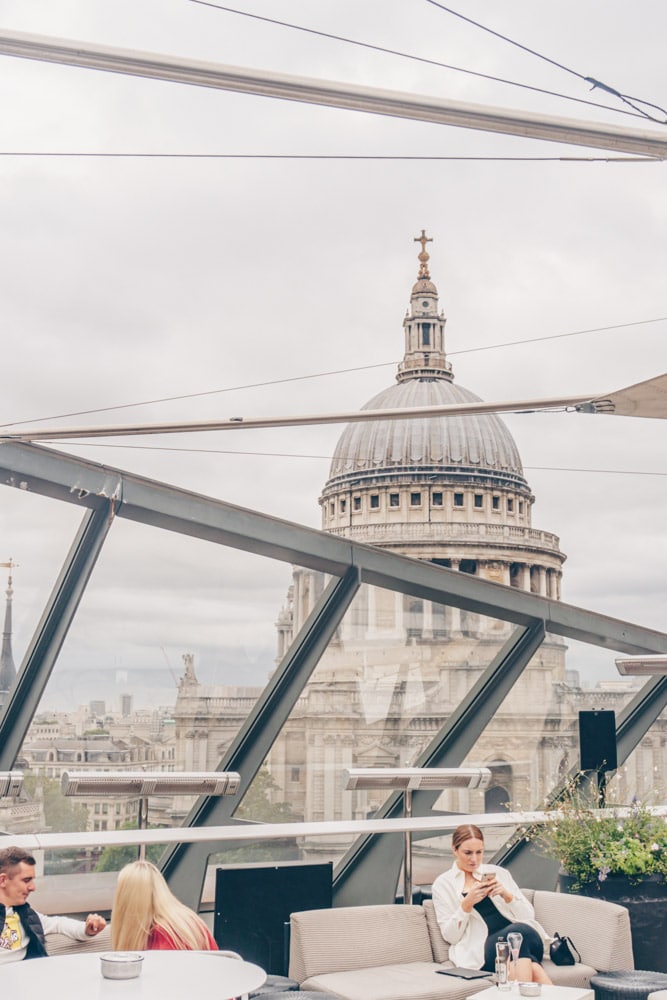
(7, 668)
(424, 327)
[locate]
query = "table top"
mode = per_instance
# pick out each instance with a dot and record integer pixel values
(549, 992)
(165, 975)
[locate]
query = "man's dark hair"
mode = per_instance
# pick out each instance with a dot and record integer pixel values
(11, 858)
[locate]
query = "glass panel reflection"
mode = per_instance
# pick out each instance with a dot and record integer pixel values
(397, 668)
(173, 642)
(532, 744)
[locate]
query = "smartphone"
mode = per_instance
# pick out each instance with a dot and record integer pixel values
(488, 877)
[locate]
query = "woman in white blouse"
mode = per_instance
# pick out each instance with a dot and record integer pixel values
(476, 904)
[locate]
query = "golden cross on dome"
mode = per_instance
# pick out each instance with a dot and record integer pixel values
(423, 257)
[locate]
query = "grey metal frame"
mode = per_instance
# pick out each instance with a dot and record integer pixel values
(49, 636)
(262, 727)
(105, 492)
(371, 867)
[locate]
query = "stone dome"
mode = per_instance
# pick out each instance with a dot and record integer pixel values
(472, 448)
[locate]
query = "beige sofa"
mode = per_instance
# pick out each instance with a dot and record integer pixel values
(392, 952)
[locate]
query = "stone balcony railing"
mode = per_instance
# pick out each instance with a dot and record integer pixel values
(439, 531)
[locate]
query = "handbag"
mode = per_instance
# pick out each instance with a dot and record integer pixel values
(562, 951)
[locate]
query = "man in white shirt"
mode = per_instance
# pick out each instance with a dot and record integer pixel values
(23, 930)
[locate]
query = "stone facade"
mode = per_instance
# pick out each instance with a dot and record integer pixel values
(451, 491)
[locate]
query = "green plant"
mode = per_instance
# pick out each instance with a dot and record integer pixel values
(593, 844)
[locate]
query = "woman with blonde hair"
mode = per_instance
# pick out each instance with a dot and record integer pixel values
(146, 915)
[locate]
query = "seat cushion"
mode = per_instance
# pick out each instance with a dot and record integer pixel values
(408, 981)
(569, 975)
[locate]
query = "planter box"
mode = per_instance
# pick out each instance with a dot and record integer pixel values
(645, 897)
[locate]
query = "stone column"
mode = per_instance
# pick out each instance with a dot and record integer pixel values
(454, 614)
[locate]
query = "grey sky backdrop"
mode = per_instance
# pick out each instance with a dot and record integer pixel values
(126, 279)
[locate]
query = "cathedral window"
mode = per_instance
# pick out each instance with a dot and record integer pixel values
(521, 506)
(458, 499)
(495, 503)
(437, 500)
(415, 499)
(343, 505)
(426, 334)
(393, 499)
(510, 505)
(375, 501)
(479, 500)
(357, 503)
(296, 774)
(333, 507)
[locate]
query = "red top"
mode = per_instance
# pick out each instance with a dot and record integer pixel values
(160, 940)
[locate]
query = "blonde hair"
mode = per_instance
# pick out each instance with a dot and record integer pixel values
(143, 901)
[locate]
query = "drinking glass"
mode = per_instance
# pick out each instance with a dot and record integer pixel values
(502, 964)
(515, 940)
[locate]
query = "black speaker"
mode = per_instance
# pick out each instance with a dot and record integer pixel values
(253, 904)
(597, 741)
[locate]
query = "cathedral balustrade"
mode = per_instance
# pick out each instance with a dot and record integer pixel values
(441, 530)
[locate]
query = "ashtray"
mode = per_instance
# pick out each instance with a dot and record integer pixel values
(121, 964)
(530, 989)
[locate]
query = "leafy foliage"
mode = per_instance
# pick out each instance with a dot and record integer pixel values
(592, 844)
(112, 859)
(257, 806)
(62, 815)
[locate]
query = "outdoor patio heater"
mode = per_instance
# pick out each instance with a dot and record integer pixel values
(145, 783)
(408, 780)
(639, 666)
(11, 784)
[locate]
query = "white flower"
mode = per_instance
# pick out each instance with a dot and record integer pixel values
(655, 847)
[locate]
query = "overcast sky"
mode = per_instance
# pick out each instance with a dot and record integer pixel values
(124, 280)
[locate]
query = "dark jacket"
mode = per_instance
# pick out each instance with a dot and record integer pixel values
(32, 925)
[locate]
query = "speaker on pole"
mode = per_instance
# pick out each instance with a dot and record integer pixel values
(597, 741)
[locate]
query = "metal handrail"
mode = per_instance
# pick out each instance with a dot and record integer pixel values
(255, 832)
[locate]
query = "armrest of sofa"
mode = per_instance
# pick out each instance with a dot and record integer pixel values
(600, 930)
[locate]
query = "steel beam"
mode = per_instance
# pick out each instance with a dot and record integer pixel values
(184, 866)
(369, 871)
(637, 717)
(51, 631)
(145, 501)
(333, 94)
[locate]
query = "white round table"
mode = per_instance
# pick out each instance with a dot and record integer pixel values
(165, 975)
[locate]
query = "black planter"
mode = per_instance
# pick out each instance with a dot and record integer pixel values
(646, 900)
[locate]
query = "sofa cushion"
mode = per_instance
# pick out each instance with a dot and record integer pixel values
(402, 981)
(569, 975)
(356, 937)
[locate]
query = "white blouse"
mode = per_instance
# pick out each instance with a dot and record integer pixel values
(467, 932)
